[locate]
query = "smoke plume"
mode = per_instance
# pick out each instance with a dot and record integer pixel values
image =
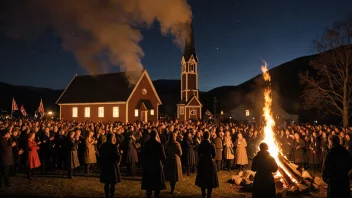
(99, 33)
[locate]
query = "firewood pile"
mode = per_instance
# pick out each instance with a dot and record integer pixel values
(306, 184)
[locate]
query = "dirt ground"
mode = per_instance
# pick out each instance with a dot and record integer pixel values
(56, 184)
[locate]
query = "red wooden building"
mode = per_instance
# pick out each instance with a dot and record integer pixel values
(189, 107)
(110, 97)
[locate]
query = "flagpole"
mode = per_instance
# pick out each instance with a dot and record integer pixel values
(12, 107)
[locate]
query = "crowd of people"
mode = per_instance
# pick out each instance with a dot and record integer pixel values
(164, 151)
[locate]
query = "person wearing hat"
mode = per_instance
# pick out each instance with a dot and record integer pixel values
(264, 165)
(6, 157)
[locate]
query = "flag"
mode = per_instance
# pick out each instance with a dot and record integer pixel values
(41, 108)
(23, 111)
(208, 113)
(14, 105)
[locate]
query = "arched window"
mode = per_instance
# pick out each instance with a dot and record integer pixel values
(191, 67)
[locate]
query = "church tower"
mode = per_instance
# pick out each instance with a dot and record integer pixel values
(189, 107)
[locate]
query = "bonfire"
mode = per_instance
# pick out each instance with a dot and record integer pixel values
(269, 136)
(287, 177)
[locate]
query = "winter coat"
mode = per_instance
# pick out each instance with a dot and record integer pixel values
(299, 153)
(153, 172)
(189, 154)
(6, 156)
(89, 152)
(131, 152)
(263, 185)
(110, 159)
(206, 170)
(218, 148)
(252, 146)
(316, 152)
(72, 146)
(337, 164)
(324, 148)
(228, 148)
(173, 167)
(241, 152)
(33, 158)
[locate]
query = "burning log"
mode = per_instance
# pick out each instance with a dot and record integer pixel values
(290, 169)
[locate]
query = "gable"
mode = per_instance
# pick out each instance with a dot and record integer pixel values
(193, 102)
(145, 83)
(113, 87)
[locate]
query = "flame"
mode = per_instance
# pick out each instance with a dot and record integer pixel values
(269, 137)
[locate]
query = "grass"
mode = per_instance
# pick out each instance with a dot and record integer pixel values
(58, 185)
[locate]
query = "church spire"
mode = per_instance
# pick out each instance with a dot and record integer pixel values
(189, 44)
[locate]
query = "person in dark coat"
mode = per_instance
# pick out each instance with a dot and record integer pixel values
(45, 152)
(316, 152)
(299, 154)
(110, 159)
(16, 151)
(173, 167)
(264, 165)
(153, 174)
(218, 148)
(6, 157)
(337, 164)
(131, 155)
(59, 149)
(207, 177)
(72, 146)
(189, 154)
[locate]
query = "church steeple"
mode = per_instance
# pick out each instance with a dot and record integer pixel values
(189, 107)
(189, 65)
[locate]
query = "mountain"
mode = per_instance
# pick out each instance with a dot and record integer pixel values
(285, 84)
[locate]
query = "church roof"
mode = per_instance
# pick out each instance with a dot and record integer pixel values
(189, 44)
(112, 87)
(146, 103)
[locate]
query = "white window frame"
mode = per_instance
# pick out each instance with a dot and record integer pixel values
(152, 112)
(87, 112)
(136, 113)
(182, 110)
(74, 112)
(100, 112)
(115, 112)
(247, 112)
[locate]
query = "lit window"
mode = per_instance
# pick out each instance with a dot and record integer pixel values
(182, 110)
(152, 112)
(115, 112)
(136, 112)
(247, 112)
(74, 112)
(101, 112)
(193, 111)
(87, 112)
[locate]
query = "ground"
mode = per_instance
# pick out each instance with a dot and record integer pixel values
(58, 185)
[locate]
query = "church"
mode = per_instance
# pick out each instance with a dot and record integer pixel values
(189, 106)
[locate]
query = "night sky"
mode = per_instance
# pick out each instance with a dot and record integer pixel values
(231, 36)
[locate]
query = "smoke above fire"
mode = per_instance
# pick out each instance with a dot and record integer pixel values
(99, 33)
